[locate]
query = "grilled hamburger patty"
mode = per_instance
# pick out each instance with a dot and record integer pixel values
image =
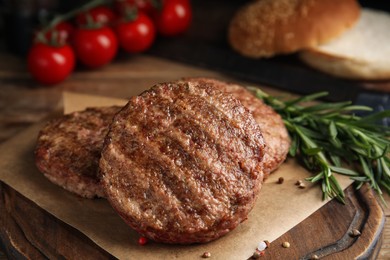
(273, 129)
(182, 163)
(68, 150)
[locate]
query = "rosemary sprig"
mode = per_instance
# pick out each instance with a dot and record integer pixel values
(325, 136)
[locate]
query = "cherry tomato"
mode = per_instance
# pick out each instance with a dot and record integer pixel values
(95, 47)
(174, 17)
(144, 6)
(137, 35)
(101, 14)
(49, 64)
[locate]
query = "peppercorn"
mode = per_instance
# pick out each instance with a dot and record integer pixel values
(280, 180)
(355, 233)
(142, 241)
(206, 255)
(302, 186)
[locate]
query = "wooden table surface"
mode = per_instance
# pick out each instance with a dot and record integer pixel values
(24, 102)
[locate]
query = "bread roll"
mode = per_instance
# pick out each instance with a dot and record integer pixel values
(360, 53)
(265, 28)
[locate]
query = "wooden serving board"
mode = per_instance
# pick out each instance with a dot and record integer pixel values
(28, 231)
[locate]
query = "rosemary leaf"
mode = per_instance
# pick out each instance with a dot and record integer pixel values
(335, 160)
(324, 107)
(375, 117)
(332, 130)
(303, 98)
(344, 171)
(326, 136)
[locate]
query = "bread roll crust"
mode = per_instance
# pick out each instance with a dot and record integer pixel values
(265, 28)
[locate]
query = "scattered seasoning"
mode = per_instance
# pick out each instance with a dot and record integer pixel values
(355, 233)
(206, 255)
(280, 180)
(299, 182)
(262, 246)
(260, 249)
(302, 186)
(142, 241)
(286, 244)
(314, 257)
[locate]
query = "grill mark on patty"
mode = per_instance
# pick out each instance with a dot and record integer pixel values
(173, 184)
(184, 109)
(161, 170)
(230, 126)
(150, 146)
(273, 129)
(227, 108)
(211, 153)
(208, 171)
(191, 165)
(217, 177)
(222, 134)
(158, 196)
(192, 114)
(155, 154)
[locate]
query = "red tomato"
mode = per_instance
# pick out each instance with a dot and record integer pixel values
(100, 14)
(144, 6)
(174, 17)
(137, 35)
(95, 47)
(49, 64)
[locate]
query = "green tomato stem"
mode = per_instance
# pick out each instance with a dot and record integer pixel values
(72, 13)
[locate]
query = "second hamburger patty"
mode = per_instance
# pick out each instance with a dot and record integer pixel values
(68, 150)
(182, 163)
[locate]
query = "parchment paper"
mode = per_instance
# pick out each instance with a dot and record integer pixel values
(278, 208)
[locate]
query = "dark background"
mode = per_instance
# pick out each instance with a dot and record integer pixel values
(18, 18)
(204, 44)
